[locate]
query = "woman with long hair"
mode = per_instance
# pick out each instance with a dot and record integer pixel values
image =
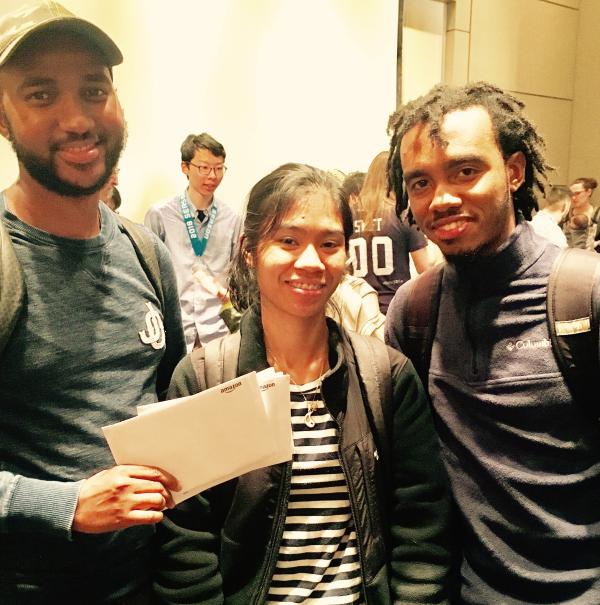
(356, 516)
(381, 242)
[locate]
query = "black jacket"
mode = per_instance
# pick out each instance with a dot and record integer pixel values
(222, 546)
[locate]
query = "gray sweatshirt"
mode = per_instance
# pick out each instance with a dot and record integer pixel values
(76, 362)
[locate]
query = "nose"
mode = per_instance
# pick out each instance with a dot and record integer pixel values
(444, 199)
(309, 259)
(74, 116)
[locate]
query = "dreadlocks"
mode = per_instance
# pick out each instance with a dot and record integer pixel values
(514, 132)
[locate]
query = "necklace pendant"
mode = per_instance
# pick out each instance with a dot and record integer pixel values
(308, 419)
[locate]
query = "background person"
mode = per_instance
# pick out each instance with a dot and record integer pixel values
(554, 209)
(315, 528)
(200, 230)
(351, 186)
(113, 200)
(381, 242)
(581, 233)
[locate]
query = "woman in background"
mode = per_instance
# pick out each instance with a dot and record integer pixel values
(350, 519)
(381, 242)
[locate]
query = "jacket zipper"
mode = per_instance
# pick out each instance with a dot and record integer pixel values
(471, 340)
(353, 507)
(358, 542)
(278, 527)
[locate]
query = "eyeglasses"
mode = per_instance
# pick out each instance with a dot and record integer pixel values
(205, 170)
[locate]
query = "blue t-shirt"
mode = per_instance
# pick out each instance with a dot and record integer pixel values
(380, 255)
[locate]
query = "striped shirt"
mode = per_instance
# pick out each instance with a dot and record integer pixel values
(318, 560)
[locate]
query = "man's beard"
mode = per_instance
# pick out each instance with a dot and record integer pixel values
(43, 170)
(484, 249)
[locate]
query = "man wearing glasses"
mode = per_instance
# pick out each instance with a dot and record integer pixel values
(202, 233)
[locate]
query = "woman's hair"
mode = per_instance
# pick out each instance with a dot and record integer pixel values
(268, 203)
(374, 192)
(587, 182)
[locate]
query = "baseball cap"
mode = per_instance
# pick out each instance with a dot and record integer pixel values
(16, 27)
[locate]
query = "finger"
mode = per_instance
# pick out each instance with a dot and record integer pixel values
(140, 486)
(169, 481)
(155, 488)
(153, 474)
(143, 517)
(170, 503)
(149, 502)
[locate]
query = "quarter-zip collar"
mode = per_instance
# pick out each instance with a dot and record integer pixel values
(488, 274)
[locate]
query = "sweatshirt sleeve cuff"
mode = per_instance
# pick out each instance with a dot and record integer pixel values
(40, 506)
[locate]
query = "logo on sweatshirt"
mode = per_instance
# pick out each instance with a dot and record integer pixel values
(518, 345)
(154, 334)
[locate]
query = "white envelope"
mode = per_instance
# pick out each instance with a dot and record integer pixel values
(275, 393)
(262, 377)
(208, 438)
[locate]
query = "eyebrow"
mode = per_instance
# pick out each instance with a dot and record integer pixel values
(36, 81)
(32, 81)
(296, 228)
(97, 77)
(448, 165)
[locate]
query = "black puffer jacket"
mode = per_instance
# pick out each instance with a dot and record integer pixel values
(222, 546)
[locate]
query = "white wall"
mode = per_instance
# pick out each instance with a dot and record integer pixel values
(527, 47)
(422, 46)
(273, 80)
(585, 133)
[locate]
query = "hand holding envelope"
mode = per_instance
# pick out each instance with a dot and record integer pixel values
(213, 436)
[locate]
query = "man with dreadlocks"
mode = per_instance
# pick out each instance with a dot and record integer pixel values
(523, 462)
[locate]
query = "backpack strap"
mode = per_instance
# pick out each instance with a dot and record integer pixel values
(573, 322)
(375, 375)
(420, 318)
(217, 361)
(144, 245)
(12, 287)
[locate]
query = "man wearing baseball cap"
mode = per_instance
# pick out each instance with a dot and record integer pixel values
(94, 336)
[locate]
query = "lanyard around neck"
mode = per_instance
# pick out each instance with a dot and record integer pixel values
(198, 244)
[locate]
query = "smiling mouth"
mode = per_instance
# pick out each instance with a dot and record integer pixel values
(306, 286)
(79, 152)
(451, 226)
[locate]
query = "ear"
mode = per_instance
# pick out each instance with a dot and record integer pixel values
(185, 168)
(247, 255)
(3, 121)
(515, 170)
